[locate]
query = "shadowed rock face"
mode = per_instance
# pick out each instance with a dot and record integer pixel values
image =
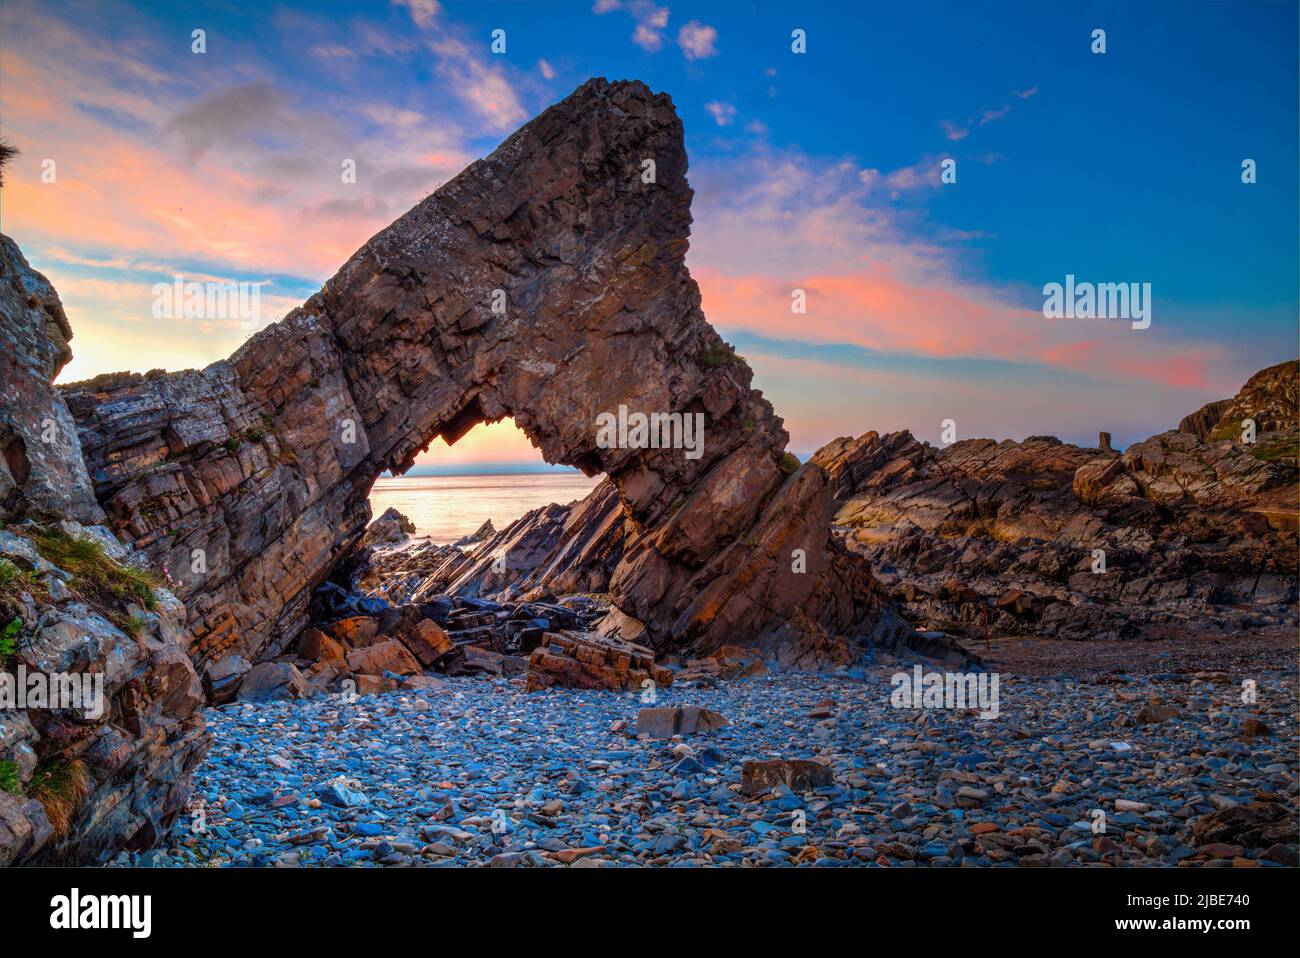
(264, 461)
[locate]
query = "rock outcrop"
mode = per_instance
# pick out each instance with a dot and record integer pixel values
(1193, 529)
(101, 760)
(41, 469)
(546, 283)
(390, 528)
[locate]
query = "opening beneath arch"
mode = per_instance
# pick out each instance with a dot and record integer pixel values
(492, 473)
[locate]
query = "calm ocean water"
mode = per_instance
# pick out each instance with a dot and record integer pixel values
(445, 508)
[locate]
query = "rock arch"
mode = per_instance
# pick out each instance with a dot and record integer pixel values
(247, 463)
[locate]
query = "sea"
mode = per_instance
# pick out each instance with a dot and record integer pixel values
(447, 508)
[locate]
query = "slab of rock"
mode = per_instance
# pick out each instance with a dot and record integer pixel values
(485, 531)
(355, 632)
(272, 681)
(1253, 825)
(823, 709)
(388, 655)
(665, 722)
(798, 775)
(428, 642)
(587, 661)
(728, 662)
(1153, 713)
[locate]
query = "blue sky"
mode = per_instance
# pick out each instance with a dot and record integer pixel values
(817, 171)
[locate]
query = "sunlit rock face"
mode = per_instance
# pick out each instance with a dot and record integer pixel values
(1189, 532)
(546, 283)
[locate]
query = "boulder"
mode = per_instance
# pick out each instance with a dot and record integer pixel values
(798, 775)
(319, 647)
(386, 655)
(665, 722)
(428, 642)
(1258, 824)
(272, 681)
(390, 528)
(374, 684)
(355, 632)
(222, 678)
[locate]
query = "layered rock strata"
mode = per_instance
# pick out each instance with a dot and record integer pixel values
(1192, 531)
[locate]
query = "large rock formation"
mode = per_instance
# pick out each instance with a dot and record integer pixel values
(41, 469)
(1197, 527)
(77, 783)
(547, 283)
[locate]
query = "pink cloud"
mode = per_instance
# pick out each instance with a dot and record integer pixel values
(697, 40)
(651, 20)
(724, 114)
(783, 222)
(422, 12)
(953, 132)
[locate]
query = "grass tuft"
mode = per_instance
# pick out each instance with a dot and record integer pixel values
(9, 640)
(15, 580)
(717, 356)
(1287, 447)
(100, 580)
(9, 780)
(60, 785)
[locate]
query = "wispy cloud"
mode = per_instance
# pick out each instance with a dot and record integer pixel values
(423, 12)
(697, 40)
(158, 175)
(651, 20)
(954, 131)
(783, 221)
(724, 114)
(483, 86)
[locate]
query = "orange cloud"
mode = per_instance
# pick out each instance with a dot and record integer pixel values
(885, 313)
(780, 221)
